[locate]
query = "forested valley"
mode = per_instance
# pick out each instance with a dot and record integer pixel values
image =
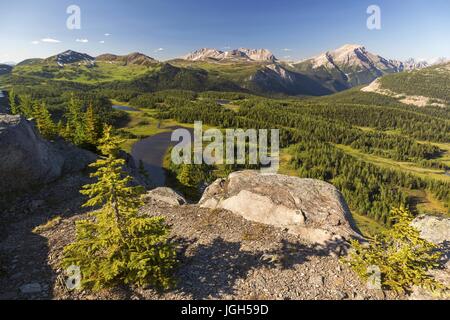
(322, 136)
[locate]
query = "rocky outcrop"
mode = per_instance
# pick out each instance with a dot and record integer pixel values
(436, 230)
(27, 160)
(312, 209)
(166, 196)
(432, 228)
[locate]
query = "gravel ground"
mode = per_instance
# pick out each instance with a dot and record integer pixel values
(221, 256)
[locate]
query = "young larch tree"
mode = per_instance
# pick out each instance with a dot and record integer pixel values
(118, 244)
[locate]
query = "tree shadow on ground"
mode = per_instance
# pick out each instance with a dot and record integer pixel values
(24, 252)
(212, 270)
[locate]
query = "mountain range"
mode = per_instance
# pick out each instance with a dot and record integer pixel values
(352, 65)
(242, 54)
(252, 70)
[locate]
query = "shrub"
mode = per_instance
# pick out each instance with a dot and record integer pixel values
(403, 258)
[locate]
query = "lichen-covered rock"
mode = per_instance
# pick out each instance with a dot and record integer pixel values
(28, 160)
(432, 228)
(436, 230)
(313, 209)
(165, 195)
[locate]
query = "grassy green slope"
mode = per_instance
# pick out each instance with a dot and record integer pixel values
(238, 72)
(101, 72)
(430, 82)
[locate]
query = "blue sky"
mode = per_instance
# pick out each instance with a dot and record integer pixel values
(164, 29)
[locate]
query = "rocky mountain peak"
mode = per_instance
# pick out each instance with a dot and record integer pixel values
(203, 54)
(352, 54)
(350, 48)
(136, 58)
(139, 59)
(260, 55)
(70, 56)
(353, 57)
(412, 64)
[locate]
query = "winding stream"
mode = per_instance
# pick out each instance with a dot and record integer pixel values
(151, 152)
(124, 108)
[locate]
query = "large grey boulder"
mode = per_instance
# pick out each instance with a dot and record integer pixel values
(165, 195)
(28, 160)
(312, 209)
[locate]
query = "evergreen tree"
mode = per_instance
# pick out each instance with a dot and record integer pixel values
(44, 122)
(75, 130)
(64, 131)
(187, 175)
(26, 106)
(119, 245)
(13, 105)
(403, 258)
(143, 172)
(91, 126)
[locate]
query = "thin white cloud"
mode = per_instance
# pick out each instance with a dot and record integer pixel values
(35, 42)
(102, 41)
(159, 50)
(287, 49)
(50, 40)
(107, 34)
(82, 40)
